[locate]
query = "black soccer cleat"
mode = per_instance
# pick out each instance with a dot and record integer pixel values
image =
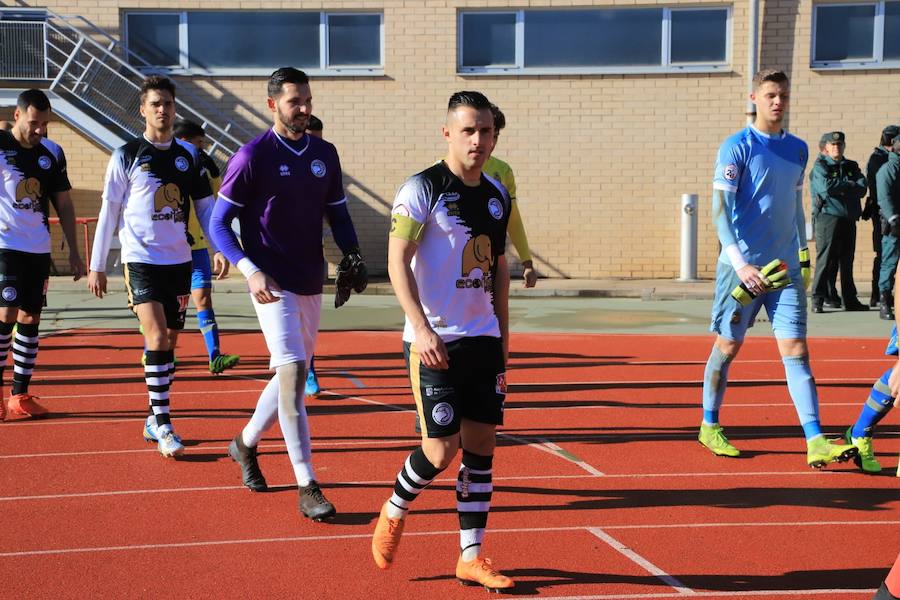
(313, 503)
(246, 458)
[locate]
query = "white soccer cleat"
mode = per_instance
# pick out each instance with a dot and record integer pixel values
(170, 445)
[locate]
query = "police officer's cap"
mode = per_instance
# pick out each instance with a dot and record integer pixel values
(833, 137)
(891, 131)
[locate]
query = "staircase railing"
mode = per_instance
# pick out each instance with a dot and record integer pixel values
(78, 66)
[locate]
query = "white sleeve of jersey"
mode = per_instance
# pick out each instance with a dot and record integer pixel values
(115, 186)
(412, 201)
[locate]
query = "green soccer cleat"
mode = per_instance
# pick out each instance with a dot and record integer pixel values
(865, 460)
(223, 362)
(713, 438)
(820, 452)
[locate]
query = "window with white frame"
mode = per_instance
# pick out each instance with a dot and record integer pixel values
(594, 40)
(239, 42)
(859, 35)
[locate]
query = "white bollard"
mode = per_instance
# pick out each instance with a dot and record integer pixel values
(688, 237)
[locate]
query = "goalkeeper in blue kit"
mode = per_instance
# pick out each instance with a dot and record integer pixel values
(758, 212)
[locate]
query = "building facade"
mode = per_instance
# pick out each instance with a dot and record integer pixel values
(614, 109)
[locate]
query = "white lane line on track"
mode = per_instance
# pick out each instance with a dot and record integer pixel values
(641, 561)
(437, 481)
(544, 443)
(455, 532)
(834, 593)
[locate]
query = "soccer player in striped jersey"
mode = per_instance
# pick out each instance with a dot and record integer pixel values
(758, 213)
(447, 265)
(32, 176)
(280, 186)
(201, 276)
(151, 184)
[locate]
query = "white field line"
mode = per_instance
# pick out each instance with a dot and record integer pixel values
(455, 532)
(385, 483)
(641, 561)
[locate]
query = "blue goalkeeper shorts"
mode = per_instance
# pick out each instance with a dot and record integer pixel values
(786, 308)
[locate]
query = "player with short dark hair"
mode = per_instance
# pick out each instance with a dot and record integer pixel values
(202, 273)
(280, 185)
(32, 176)
(447, 265)
(758, 212)
(151, 184)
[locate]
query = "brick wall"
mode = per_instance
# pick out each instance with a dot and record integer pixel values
(601, 161)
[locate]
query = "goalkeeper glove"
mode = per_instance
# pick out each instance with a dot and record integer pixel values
(805, 269)
(352, 274)
(775, 276)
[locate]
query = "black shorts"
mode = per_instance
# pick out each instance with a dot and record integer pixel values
(23, 280)
(170, 285)
(474, 387)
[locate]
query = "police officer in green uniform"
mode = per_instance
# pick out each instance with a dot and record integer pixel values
(887, 185)
(837, 185)
(877, 159)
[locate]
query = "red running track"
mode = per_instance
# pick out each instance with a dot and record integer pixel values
(601, 490)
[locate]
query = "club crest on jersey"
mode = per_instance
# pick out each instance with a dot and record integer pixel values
(9, 294)
(44, 162)
(181, 164)
(318, 168)
(495, 207)
(730, 172)
(442, 413)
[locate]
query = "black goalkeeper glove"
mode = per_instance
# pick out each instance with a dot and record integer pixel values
(352, 275)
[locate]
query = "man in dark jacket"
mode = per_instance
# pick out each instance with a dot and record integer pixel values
(887, 185)
(837, 185)
(877, 159)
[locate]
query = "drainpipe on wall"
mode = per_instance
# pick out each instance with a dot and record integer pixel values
(752, 53)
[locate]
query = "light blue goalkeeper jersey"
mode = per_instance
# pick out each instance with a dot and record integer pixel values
(765, 172)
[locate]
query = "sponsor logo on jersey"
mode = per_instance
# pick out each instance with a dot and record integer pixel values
(448, 197)
(436, 390)
(284, 171)
(181, 163)
(318, 168)
(44, 162)
(452, 209)
(495, 207)
(442, 413)
(27, 192)
(9, 294)
(477, 255)
(730, 172)
(167, 195)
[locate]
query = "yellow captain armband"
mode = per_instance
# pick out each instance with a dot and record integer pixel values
(406, 228)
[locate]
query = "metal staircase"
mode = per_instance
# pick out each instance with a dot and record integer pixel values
(94, 87)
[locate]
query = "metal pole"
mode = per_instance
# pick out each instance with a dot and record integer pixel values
(752, 53)
(688, 237)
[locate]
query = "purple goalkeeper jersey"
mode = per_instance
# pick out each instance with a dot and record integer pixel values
(282, 192)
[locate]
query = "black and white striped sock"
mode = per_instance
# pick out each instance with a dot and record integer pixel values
(6, 334)
(415, 476)
(25, 350)
(474, 488)
(156, 374)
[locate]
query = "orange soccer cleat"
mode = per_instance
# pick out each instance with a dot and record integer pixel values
(26, 404)
(386, 538)
(480, 571)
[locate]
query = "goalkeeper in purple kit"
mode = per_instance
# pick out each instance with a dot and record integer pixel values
(758, 213)
(280, 186)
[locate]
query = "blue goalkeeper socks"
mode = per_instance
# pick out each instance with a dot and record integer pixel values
(802, 388)
(210, 331)
(715, 380)
(877, 405)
